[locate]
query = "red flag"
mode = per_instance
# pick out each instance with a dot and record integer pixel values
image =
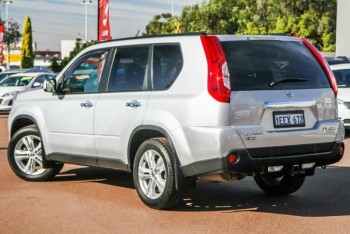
(104, 31)
(2, 31)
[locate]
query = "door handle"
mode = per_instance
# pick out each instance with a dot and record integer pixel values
(133, 104)
(87, 104)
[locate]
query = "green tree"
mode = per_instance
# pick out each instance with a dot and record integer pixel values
(57, 65)
(160, 24)
(12, 35)
(313, 19)
(27, 54)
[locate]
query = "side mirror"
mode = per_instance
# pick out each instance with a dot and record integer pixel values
(36, 85)
(50, 85)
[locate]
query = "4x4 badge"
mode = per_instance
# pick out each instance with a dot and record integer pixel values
(289, 94)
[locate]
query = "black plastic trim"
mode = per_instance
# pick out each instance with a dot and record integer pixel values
(287, 151)
(112, 163)
(22, 117)
(74, 159)
(155, 36)
(250, 166)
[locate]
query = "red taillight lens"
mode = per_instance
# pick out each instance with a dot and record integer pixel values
(324, 64)
(341, 149)
(232, 158)
(218, 76)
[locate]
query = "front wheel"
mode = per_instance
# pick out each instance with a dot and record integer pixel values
(154, 174)
(25, 156)
(280, 186)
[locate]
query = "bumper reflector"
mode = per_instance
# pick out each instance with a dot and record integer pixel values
(341, 149)
(307, 165)
(232, 158)
(274, 168)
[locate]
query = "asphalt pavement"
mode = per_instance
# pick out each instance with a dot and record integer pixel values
(94, 200)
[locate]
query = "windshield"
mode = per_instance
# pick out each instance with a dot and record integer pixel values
(343, 78)
(16, 81)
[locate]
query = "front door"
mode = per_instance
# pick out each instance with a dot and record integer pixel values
(70, 114)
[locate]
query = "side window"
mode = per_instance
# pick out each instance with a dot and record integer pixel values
(167, 64)
(41, 79)
(129, 68)
(85, 75)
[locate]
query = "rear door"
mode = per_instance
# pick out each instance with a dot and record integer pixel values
(122, 107)
(280, 96)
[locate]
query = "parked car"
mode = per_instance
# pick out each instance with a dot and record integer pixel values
(6, 74)
(172, 109)
(342, 74)
(18, 83)
(338, 60)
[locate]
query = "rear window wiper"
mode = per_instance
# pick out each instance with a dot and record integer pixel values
(285, 80)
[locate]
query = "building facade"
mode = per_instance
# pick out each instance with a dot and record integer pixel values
(343, 28)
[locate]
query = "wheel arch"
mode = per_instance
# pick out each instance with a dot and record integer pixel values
(145, 132)
(21, 121)
(142, 133)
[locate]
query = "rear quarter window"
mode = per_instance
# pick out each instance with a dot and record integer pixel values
(253, 65)
(167, 65)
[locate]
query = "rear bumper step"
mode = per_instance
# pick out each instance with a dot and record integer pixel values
(259, 165)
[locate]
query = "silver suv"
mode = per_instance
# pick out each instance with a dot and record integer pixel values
(172, 109)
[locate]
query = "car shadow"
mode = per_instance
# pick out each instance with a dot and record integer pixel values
(325, 194)
(95, 174)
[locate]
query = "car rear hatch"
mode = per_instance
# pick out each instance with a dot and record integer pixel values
(283, 100)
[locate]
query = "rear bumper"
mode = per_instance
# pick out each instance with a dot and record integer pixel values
(245, 164)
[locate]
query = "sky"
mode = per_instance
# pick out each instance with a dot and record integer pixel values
(56, 20)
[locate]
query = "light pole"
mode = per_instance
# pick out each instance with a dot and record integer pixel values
(86, 2)
(7, 3)
(172, 8)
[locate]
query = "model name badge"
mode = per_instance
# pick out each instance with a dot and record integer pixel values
(257, 133)
(329, 128)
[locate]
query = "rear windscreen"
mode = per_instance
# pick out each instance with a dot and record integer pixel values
(272, 65)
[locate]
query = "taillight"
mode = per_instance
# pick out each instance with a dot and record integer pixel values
(218, 76)
(324, 64)
(341, 149)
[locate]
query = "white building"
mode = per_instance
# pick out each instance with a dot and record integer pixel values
(343, 28)
(66, 47)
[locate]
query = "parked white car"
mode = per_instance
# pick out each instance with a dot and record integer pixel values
(17, 83)
(342, 74)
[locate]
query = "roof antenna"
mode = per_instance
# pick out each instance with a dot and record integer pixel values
(137, 34)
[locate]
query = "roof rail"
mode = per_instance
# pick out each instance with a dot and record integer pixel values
(156, 36)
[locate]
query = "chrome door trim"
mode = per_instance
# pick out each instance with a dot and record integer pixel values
(293, 104)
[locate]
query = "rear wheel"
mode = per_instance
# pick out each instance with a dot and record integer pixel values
(154, 174)
(25, 156)
(280, 186)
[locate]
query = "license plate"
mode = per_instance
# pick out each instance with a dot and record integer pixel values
(287, 119)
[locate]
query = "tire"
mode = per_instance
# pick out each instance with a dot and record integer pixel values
(154, 174)
(280, 186)
(25, 156)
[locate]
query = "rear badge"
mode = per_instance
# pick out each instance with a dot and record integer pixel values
(289, 94)
(251, 136)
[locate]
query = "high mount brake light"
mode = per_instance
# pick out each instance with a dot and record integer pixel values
(323, 63)
(218, 76)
